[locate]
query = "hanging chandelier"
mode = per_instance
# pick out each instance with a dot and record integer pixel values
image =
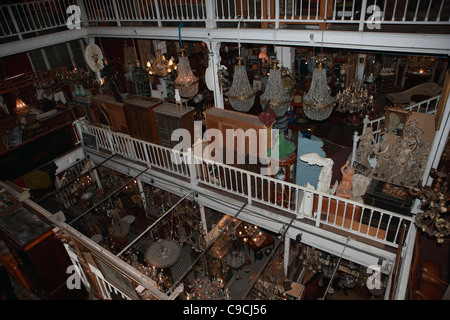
(354, 99)
(186, 82)
(161, 67)
(275, 96)
(241, 93)
(318, 103)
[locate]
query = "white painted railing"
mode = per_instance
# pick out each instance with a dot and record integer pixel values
(319, 208)
(36, 16)
(19, 19)
(105, 287)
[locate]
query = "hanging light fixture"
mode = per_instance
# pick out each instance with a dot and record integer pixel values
(22, 110)
(161, 67)
(241, 94)
(275, 96)
(354, 99)
(318, 103)
(186, 82)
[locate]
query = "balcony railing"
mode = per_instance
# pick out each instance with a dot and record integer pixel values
(27, 19)
(320, 209)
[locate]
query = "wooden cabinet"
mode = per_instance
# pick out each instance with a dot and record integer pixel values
(169, 117)
(108, 113)
(141, 119)
(224, 120)
(40, 257)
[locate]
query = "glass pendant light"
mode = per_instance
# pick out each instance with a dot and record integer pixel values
(241, 93)
(186, 82)
(275, 95)
(318, 103)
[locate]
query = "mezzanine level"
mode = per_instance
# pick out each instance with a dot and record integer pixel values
(392, 26)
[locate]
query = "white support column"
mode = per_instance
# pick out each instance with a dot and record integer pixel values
(439, 142)
(214, 48)
(287, 249)
(286, 56)
(210, 14)
(96, 177)
(141, 190)
(204, 224)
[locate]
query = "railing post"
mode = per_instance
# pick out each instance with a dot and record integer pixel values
(84, 16)
(365, 123)
(192, 169)
(277, 14)
(158, 13)
(210, 14)
(362, 17)
(13, 19)
(355, 144)
(249, 189)
(319, 209)
(116, 13)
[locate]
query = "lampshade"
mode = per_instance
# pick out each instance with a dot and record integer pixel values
(241, 93)
(186, 82)
(318, 103)
(22, 109)
(161, 67)
(275, 95)
(263, 54)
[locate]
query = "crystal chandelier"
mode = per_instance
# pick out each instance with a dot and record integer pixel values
(241, 93)
(161, 67)
(275, 95)
(354, 99)
(186, 82)
(318, 103)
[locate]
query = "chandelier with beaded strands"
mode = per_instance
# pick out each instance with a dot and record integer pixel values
(241, 94)
(318, 103)
(185, 82)
(275, 96)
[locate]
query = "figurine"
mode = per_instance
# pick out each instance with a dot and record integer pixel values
(344, 189)
(365, 147)
(383, 153)
(325, 174)
(401, 163)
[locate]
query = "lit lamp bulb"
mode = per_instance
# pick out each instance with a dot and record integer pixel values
(22, 110)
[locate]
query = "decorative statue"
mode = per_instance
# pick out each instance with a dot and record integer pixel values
(344, 189)
(110, 74)
(365, 147)
(326, 173)
(401, 163)
(360, 184)
(383, 153)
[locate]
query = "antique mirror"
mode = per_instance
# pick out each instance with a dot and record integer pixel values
(395, 120)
